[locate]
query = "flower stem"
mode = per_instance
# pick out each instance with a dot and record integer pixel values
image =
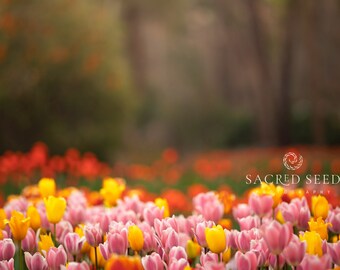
(278, 261)
(21, 266)
(55, 234)
(95, 257)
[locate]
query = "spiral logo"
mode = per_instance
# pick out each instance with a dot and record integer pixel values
(292, 161)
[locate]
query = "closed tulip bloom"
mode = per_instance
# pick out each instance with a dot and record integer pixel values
(180, 264)
(209, 206)
(47, 187)
(35, 261)
(295, 251)
(73, 243)
(320, 227)
(272, 259)
(163, 204)
(261, 205)
(246, 261)
(177, 253)
(7, 265)
(334, 219)
(311, 262)
(55, 208)
(135, 237)
(112, 190)
(56, 257)
(215, 238)
(200, 232)
(7, 249)
(93, 234)
(35, 220)
(29, 242)
(242, 210)
(314, 243)
(277, 236)
(153, 262)
(193, 249)
(249, 222)
(320, 206)
(334, 252)
(18, 225)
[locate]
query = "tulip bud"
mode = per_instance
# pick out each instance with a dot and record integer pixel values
(73, 243)
(135, 237)
(246, 261)
(47, 187)
(93, 234)
(153, 262)
(320, 207)
(295, 251)
(35, 262)
(215, 239)
(7, 249)
(56, 257)
(29, 242)
(35, 220)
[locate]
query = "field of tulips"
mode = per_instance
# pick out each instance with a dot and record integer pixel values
(199, 223)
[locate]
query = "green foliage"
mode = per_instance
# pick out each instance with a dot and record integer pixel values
(62, 76)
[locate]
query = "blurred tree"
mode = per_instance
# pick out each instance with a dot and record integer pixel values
(62, 76)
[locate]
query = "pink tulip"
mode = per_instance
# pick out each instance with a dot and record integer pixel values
(131, 203)
(334, 219)
(249, 222)
(75, 214)
(163, 224)
(56, 257)
(76, 266)
(242, 210)
(169, 238)
(246, 261)
(290, 212)
(261, 205)
(152, 212)
(63, 228)
(295, 251)
(273, 261)
(73, 243)
(312, 262)
(7, 265)
(209, 206)
(115, 243)
(29, 242)
(208, 258)
(7, 249)
(260, 248)
(177, 253)
(178, 264)
(153, 262)
(150, 242)
(93, 234)
(244, 238)
(277, 236)
(334, 252)
(35, 262)
(231, 237)
(200, 232)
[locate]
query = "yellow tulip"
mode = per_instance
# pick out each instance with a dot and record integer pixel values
(2, 219)
(226, 255)
(136, 238)
(120, 262)
(320, 227)
(45, 242)
(112, 190)
(279, 217)
(314, 243)
(320, 206)
(215, 238)
(18, 225)
(47, 187)
(193, 249)
(35, 220)
(100, 259)
(163, 203)
(55, 208)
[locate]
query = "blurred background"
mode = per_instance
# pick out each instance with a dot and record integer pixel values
(126, 79)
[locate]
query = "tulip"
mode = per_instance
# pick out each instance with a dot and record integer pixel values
(314, 243)
(272, 259)
(295, 251)
(96, 258)
(275, 192)
(19, 225)
(169, 238)
(320, 206)
(163, 204)
(62, 229)
(35, 220)
(334, 219)
(2, 219)
(151, 212)
(180, 264)
(116, 243)
(35, 262)
(209, 206)
(55, 208)
(93, 234)
(153, 262)
(45, 242)
(177, 253)
(246, 261)
(193, 249)
(290, 212)
(56, 257)
(112, 191)
(76, 266)
(242, 210)
(7, 249)
(277, 236)
(261, 205)
(47, 187)
(260, 248)
(216, 239)
(29, 242)
(320, 227)
(136, 238)
(73, 243)
(7, 265)
(334, 252)
(311, 262)
(208, 258)
(249, 222)
(200, 232)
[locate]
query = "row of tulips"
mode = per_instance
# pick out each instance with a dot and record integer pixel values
(62, 229)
